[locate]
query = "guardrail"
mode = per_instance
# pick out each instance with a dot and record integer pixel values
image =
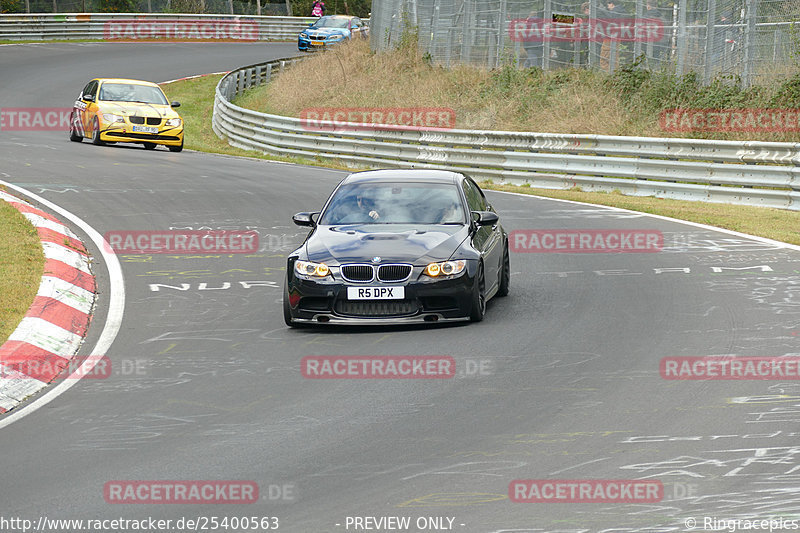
(89, 26)
(748, 173)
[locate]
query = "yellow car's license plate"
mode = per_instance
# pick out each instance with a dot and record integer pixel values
(145, 129)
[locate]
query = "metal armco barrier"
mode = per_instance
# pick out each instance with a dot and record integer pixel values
(748, 173)
(85, 26)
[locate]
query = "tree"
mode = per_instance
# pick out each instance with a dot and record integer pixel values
(10, 6)
(117, 6)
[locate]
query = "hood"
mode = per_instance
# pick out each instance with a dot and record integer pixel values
(137, 109)
(393, 243)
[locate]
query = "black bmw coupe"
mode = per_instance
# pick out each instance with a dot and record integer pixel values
(398, 246)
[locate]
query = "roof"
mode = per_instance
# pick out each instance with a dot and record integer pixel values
(123, 80)
(423, 175)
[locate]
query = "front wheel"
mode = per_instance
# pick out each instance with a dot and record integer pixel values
(96, 132)
(287, 313)
(176, 148)
(478, 296)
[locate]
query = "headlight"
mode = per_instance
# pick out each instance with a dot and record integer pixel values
(304, 35)
(173, 122)
(336, 37)
(307, 269)
(446, 268)
(108, 117)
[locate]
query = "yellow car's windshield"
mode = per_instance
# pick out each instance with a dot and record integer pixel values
(131, 92)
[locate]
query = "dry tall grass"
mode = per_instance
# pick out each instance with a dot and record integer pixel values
(560, 101)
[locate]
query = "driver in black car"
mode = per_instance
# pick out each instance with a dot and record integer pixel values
(365, 205)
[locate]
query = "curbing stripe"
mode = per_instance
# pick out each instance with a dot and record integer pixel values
(48, 235)
(66, 293)
(13, 199)
(27, 209)
(61, 314)
(39, 221)
(57, 269)
(55, 325)
(16, 356)
(47, 336)
(66, 255)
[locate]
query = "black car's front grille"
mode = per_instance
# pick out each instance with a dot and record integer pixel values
(385, 308)
(394, 272)
(151, 121)
(358, 273)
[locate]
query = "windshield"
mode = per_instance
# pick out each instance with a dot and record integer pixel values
(395, 203)
(333, 22)
(131, 92)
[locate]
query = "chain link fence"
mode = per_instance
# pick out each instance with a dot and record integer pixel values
(740, 38)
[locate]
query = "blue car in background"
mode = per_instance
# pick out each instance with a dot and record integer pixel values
(331, 29)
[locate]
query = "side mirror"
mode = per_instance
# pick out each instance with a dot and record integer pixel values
(304, 219)
(88, 97)
(485, 218)
(310, 24)
(175, 104)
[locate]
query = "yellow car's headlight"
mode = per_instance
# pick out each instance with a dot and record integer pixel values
(445, 268)
(111, 118)
(307, 269)
(173, 122)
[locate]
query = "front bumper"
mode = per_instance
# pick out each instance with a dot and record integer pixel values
(425, 300)
(123, 132)
(309, 45)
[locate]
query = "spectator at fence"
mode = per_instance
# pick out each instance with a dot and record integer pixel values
(613, 11)
(534, 45)
(583, 44)
(318, 8)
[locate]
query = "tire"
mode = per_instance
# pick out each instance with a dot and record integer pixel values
(74, 136)
(176, 148)
(96, 133)
(505, 275)
(478, 310)
(287, 314)
(149, 146)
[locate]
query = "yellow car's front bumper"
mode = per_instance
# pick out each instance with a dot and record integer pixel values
(139, 133)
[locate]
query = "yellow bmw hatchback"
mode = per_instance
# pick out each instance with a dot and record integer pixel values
(110, 110)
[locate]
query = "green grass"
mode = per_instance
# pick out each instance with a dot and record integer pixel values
(21, 266)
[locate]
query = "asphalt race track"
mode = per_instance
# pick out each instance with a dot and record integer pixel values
(560, 381)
